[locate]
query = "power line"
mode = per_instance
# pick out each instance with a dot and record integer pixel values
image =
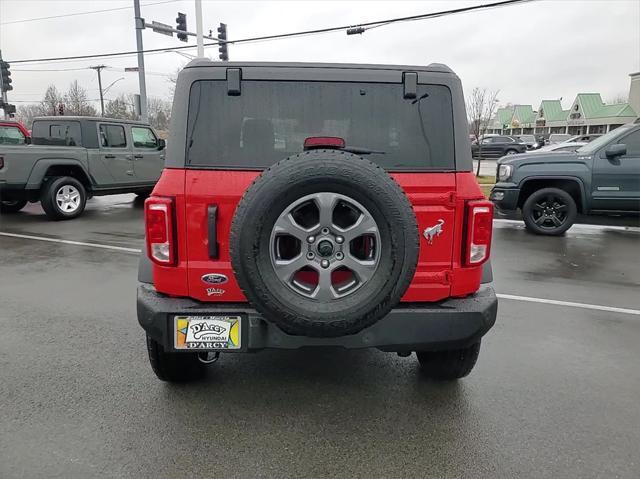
(49, 69)
(367, 25)
(25, 20)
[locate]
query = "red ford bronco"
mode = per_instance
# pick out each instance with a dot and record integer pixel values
(316, 205)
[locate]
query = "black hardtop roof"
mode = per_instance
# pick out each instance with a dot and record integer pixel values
(88, 118)
(432, 67)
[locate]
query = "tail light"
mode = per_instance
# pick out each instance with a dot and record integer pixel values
(159, 230)
(479, 230)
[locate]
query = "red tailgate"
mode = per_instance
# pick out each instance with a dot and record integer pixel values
(224, 190)
(433, 198)
(431, 194)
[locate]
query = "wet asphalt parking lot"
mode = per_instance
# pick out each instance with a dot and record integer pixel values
(555, 394)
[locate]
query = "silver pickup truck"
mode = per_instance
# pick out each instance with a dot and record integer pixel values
(71, 159)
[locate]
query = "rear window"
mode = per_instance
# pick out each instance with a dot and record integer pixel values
(59, 133)
(271, 119)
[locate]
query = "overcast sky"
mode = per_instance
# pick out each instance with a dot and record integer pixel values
(545, 49)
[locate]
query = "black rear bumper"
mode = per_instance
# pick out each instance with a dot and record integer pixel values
(450, 324)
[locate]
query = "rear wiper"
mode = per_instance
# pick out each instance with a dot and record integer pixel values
(362, 151)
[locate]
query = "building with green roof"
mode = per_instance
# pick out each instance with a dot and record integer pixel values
(501, 120)
(588, 115)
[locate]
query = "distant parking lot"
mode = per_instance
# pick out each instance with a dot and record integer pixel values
(554, 394)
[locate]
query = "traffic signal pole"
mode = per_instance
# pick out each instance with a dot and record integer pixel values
(141, 79)
(199, 37)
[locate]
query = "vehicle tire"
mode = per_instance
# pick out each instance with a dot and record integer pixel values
(449, 364)
(510, 152)
(549, 211)
(63, 198)
(173, 367)
(364, 230)
(12, 206)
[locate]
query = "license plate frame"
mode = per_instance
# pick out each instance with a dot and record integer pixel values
(211, 332)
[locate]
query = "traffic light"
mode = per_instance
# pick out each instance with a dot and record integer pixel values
(60, 109)
(222, 38)
(8, 108)
(6, 76)
(181, 22)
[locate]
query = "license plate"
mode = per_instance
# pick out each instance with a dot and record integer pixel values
(208, 333)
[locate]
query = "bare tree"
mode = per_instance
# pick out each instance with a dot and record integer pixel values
(26, 113)
(159, 113)
(481, 106)
(52, 98)
(76, 101)
(617, 99)
(120, 108)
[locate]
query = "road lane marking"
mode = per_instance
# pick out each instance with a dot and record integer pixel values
(577, 226)
(512, 297)
(74, 243)
(571, 304)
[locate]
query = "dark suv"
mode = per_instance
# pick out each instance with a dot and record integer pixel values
(316, 205)
(493, 147)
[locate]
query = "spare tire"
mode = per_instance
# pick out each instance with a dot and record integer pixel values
(324, 243)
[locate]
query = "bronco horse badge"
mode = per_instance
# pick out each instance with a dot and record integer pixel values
(433, 231)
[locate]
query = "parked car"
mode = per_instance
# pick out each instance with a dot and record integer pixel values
(572, 146)
(583, 138)
(529, 140)
(313, 241)
(74, 158)
(551, 188)
(562, 138)
(558, 138)
(13, 133)
(493, 147)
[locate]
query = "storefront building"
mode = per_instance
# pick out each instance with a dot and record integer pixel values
(588, 115)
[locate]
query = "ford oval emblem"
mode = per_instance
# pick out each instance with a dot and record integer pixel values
(214, 278)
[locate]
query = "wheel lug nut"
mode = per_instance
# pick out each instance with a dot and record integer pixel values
(311, 239)
(324, 263)
(339, 239)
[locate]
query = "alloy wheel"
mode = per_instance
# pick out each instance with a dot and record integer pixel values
(68, 198)
(325, 246)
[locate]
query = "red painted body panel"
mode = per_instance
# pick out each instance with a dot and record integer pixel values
(437, 198)
(18, 125)
(172, 280)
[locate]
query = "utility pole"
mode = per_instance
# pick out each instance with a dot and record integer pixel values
(99, 68)
(199, 38)
(143, 86)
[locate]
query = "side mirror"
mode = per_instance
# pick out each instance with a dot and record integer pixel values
(614, 151)
(27, 140)
(162, 144)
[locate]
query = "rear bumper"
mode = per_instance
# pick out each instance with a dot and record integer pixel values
(450, 324)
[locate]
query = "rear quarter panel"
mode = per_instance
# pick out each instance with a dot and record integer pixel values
(28, 164)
